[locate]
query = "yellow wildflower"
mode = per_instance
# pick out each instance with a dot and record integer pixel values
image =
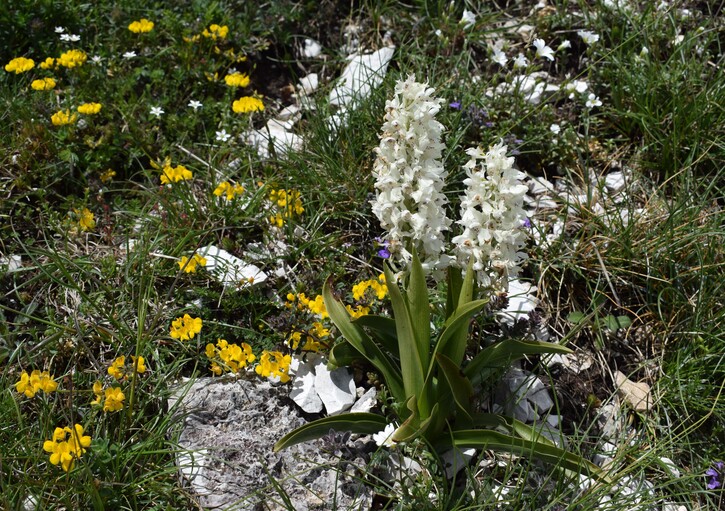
(63, 117)
(175, 174)
(237, 80)
(274, 365)
(43, 84)
(89, 108)
(19, 65)
(98, 392)
(358, 311)
(185, 328)
(216, 31)
(231, 190)
(72, 58)
(189, 265)
(67, 445)
(116, 368)
(114, 399)
(139, 364)
(34, 382)
(107, 175)
(48, 63)
(247, 104)
(141, 26)
(86, 219)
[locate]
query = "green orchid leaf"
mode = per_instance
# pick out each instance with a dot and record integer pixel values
(453, 338)
(410, 358)
(383, 330)
(487, 439)
(419, 310)
(413, 427)
(410, 428)
(500, 355)
(454, 279)
(493, 420)
(362, 423)
(357, 337)
(343, 354)
(460, 387)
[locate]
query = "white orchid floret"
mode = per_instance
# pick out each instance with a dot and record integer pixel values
(492, 216)
(409, 176)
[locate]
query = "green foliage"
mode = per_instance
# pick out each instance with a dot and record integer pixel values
(431, 389)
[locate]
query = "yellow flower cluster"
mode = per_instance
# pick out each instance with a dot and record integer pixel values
(89, 108)
(63, 117)
(185, 328)
(228, 189)
(48, 63)
(313, 338)
(216, 31)
(86, 219)
(358, 311)
(43, 84)
(171, 174)
(247, 104)
(141, 26)
(112, 399)
(237, 80)
(378, 286)
(232, 357)
(19, 65)
(288, 203)
(72, 58)
(274, 365)
(189, 265)
(315, 306)
(67, 446)
(107, 175)
(36, 381)
(120, 372)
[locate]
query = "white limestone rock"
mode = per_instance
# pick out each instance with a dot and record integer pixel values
(336, 388)
(229, 269)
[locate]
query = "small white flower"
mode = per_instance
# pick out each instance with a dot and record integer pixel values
(577, 86)
(439, 33)
(588, 37)
(59, 30)
(565, 44)
(222, 136)
(592, 101)
(499, 57)
(520, 61)
(643, 52)
(196, 105)
(129, 55)
(96, 59)
(555, 128)
(678, 40)
(156, 111)
(383, 438)
(64, 37)
(542, 50)
(468, 19)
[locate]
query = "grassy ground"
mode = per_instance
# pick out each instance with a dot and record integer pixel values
(87, 293)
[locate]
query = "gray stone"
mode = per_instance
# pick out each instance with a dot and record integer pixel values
(303, 390)
(455, 459)
(227, 429)
(366, 402)
(523, 395)
(336, 388)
